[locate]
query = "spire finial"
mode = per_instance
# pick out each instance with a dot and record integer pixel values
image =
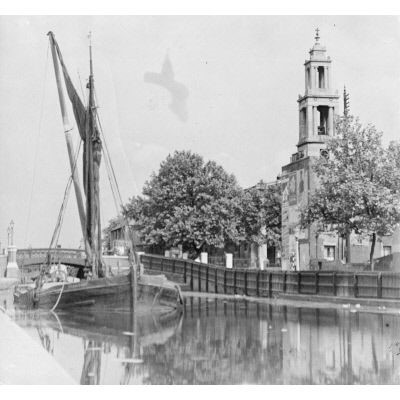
(316, 35)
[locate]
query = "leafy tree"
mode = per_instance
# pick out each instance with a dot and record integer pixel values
(359, 184)
(188, 202)
(261, 215)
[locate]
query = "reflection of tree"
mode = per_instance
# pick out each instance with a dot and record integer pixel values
(91, 363)
(247, 344)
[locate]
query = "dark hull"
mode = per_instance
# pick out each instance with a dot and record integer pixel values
(115, 293)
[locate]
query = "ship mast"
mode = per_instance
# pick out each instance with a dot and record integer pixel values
(70, 145)
(93, 147)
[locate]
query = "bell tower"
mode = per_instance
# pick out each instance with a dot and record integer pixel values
(318, 105)
(303, 249)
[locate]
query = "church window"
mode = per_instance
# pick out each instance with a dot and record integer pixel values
(329, 253)
(321, 77)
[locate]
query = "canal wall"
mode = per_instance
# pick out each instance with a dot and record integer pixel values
(199, 277)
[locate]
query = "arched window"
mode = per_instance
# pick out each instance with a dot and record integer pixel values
(321, 77)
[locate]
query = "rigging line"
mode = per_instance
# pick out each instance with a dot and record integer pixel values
(112, 172)
(108, 153)
(66, 198)
(111, 183)
(55, 236)
(37, 144)
(108, 158)
(80, 84)
(57, 229)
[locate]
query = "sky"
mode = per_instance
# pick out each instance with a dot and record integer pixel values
(225, 87)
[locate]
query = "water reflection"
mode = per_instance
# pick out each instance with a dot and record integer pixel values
(224, 342)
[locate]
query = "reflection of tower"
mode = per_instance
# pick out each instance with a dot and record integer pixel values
(91, 363)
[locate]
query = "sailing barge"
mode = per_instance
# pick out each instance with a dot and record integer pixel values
(138, 292)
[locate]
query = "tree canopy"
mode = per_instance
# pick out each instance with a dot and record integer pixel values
(261, 213)
(359, 184)
(189, 202)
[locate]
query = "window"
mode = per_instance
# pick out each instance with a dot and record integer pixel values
(321, 77)
(329, 253)
(387, 250)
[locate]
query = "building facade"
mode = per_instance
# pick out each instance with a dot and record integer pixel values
(306, 249)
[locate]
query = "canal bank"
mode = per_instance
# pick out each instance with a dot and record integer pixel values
(23, 361)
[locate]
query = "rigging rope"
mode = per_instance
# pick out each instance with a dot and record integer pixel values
(114, 182)
(37, 145)
(110, 168)
(60, 219)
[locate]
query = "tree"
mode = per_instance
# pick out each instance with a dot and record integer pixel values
(189, 203)
(261, 216)
(359, 184)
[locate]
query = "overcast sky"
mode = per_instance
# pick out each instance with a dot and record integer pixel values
(238, 79)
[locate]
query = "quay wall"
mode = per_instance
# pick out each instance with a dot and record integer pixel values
(24, 361)
(199, 277)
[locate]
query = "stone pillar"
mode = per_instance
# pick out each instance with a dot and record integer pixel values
(12, 270)
(204, 258)
(327, 78)
(253, 254)
(316, 77)
(229, 260)
(316, 122)
(141, 266)
(262, 256)
(309, 121)
(300, 124)
(330, 121)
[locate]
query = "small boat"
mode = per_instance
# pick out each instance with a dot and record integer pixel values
(54, 288)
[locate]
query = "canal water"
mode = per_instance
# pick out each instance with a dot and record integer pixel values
(216, 341)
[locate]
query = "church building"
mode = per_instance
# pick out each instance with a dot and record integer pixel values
(306, 249)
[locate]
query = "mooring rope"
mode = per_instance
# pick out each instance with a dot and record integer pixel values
(59, 297)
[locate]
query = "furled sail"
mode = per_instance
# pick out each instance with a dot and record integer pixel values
(86, 121)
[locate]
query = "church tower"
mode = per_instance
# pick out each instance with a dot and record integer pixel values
(319, 104)
(303, 249)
